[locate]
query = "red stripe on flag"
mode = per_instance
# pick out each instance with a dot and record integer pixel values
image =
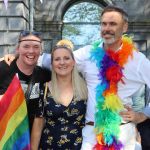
(17, 100)
(7, 97)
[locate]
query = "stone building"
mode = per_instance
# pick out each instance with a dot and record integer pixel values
(47, 17)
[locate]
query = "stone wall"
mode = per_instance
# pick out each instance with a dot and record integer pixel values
(12, 21)
(48, 19)
(139, 22)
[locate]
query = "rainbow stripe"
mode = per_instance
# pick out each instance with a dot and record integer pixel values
(14, 127)
(107, 118)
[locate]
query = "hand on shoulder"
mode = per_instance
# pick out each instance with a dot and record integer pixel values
(8, 58)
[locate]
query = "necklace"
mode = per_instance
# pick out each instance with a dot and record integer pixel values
(107, 118)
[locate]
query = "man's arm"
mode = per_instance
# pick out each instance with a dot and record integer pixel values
(143, 70)
(146, 111)
(81, 55)
(45, 61)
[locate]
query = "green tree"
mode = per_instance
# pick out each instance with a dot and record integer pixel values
(81, 23)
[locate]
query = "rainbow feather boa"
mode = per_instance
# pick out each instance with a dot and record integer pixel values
(107, 118)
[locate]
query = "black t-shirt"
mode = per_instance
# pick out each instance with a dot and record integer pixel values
(39, 77)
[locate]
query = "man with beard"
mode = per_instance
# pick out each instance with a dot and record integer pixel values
(114, 71)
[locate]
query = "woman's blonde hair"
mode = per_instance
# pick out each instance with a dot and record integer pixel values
(78, 83)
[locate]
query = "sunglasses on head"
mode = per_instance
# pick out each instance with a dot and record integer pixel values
(26, 33)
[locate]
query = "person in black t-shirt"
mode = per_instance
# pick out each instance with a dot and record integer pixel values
(31, 76)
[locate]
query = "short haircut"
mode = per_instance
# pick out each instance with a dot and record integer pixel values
(116, 9)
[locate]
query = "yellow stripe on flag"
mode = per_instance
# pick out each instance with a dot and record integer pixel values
(16, 101)
(14, 122)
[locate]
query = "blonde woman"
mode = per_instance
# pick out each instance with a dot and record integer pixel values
(59, 125)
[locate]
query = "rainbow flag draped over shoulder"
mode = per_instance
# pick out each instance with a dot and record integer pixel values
(14, 126)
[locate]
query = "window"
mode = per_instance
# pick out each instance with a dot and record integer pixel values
(82, 23)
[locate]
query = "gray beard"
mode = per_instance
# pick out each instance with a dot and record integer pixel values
(110, 41)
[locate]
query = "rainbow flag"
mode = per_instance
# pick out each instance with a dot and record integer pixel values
(14, 126)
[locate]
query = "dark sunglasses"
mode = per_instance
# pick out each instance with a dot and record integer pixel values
(26, 33)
